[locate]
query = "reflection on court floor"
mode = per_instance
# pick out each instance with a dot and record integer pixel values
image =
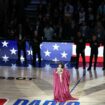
(90, 91)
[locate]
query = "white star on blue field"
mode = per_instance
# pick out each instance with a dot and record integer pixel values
(50, 51)
(56, 51)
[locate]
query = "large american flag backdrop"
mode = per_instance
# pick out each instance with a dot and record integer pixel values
(50, 51)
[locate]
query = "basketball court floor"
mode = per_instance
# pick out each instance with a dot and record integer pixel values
(37, 84)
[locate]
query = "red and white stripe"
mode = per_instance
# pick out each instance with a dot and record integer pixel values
(87, 53)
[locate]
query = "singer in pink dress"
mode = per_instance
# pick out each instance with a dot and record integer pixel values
(61, 84)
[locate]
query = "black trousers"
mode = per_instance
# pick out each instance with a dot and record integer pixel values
(95, 55)
(22, 48)
(36, 52)
(82, 53)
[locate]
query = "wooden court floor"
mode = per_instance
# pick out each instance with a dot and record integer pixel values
(90, 91)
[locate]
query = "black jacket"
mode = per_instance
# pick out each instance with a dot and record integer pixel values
(80, 43)
(94, 46)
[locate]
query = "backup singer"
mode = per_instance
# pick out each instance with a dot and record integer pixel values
(94, 44)
(36, 41)
(104, 53)
(80, 50)
(21, 43)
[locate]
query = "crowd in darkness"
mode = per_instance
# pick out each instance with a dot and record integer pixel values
(61, 19)
(57, 19)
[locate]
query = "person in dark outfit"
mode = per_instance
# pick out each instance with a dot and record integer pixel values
(36, 41)
(21, 43)
(80, 49)
(104, 53)
(94, 44)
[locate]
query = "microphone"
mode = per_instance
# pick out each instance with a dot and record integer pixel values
(59, 70)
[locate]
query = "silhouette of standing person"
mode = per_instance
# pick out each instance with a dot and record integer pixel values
(94, 44)
(80, 49)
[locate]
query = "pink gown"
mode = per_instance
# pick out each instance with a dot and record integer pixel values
(61, 88)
